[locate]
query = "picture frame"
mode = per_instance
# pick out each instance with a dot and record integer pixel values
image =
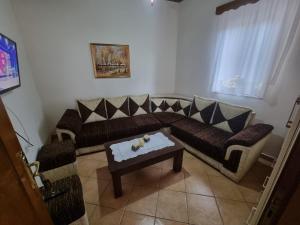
(110, 60)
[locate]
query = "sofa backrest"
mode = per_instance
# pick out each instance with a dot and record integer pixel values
(139, 104)
(158, 105)
(184, 107)
(171, 105)
(117, 107)
(231, 118)
(92, 110)
(222, 115)
(202, 109)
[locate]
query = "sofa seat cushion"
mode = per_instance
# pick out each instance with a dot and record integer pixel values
(146, 123)
(211, 141)
(92, 134)
(231, 118)
(185, 128)
(121, 127)
(167, 118)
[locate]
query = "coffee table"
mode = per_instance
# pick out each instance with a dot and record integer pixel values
(117, 169)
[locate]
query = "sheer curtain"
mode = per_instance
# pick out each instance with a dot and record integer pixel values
(252, 44)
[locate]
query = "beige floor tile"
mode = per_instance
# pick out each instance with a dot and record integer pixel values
(80, 159)
(90, 208)
(167, 164)
(131, 218)
(107, 199)
(203, 210)
(159, 221)
(92, 189)
(225, 188)
(103, 173)
(251, 205)
(157, 165)
(97, 156)
(83, 180)
(87, 167)
(192, 166)
(100, 165)
(250, 188)
(261, 171)
(233, 212)
(106, 216)
(172, 205)
(198, 184)
(211, 171)
(143, 199)
(188, 155)
(172, 181)
(148, 176)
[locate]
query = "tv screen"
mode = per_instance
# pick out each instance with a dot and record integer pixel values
(9, 66)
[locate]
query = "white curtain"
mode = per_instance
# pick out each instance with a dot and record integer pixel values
(252, 44)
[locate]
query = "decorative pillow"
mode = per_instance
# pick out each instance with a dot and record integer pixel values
(202, 109)
(171, 105)
(139, 105)
(184, 107)
(231, 118)
(92, 110)
(117, 107)
(158, 105)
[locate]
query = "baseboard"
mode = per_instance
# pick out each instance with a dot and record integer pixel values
(267, 159)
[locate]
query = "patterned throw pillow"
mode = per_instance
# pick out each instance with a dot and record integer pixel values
(184, 107)
(139, 105)
(157, 105)
(231, 118)
(92, 110)
(171, 105)
(117, 107)
(202, 109)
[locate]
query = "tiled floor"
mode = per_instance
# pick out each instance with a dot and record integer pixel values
(199, 195)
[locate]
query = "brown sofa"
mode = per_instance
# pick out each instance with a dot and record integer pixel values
(219, 133)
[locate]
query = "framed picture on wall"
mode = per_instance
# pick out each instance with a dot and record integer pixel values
(110, 60)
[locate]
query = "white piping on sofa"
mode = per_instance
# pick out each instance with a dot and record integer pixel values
(249, 156)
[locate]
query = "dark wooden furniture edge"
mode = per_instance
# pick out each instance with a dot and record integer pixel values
(141, 161)
(10, 141)
(233, 5)
(117, 166)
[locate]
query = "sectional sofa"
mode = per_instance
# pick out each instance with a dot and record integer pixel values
(221, 134)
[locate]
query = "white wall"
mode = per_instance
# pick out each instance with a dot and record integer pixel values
(24, 101)
(195, 44)
(58, 32)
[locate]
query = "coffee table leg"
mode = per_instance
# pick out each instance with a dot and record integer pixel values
(177, 163)
(117, 185)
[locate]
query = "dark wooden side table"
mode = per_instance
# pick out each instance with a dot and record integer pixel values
(117, 169)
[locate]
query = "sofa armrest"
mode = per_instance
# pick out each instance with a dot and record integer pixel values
(70, 121)
(250, 135)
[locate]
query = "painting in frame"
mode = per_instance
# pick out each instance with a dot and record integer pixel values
(110, 60)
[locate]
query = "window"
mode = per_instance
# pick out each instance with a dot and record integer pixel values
(252, 43)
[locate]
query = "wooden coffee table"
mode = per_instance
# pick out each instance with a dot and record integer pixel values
(117, 169)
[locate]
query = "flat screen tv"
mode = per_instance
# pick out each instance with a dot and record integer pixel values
(9, 66)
